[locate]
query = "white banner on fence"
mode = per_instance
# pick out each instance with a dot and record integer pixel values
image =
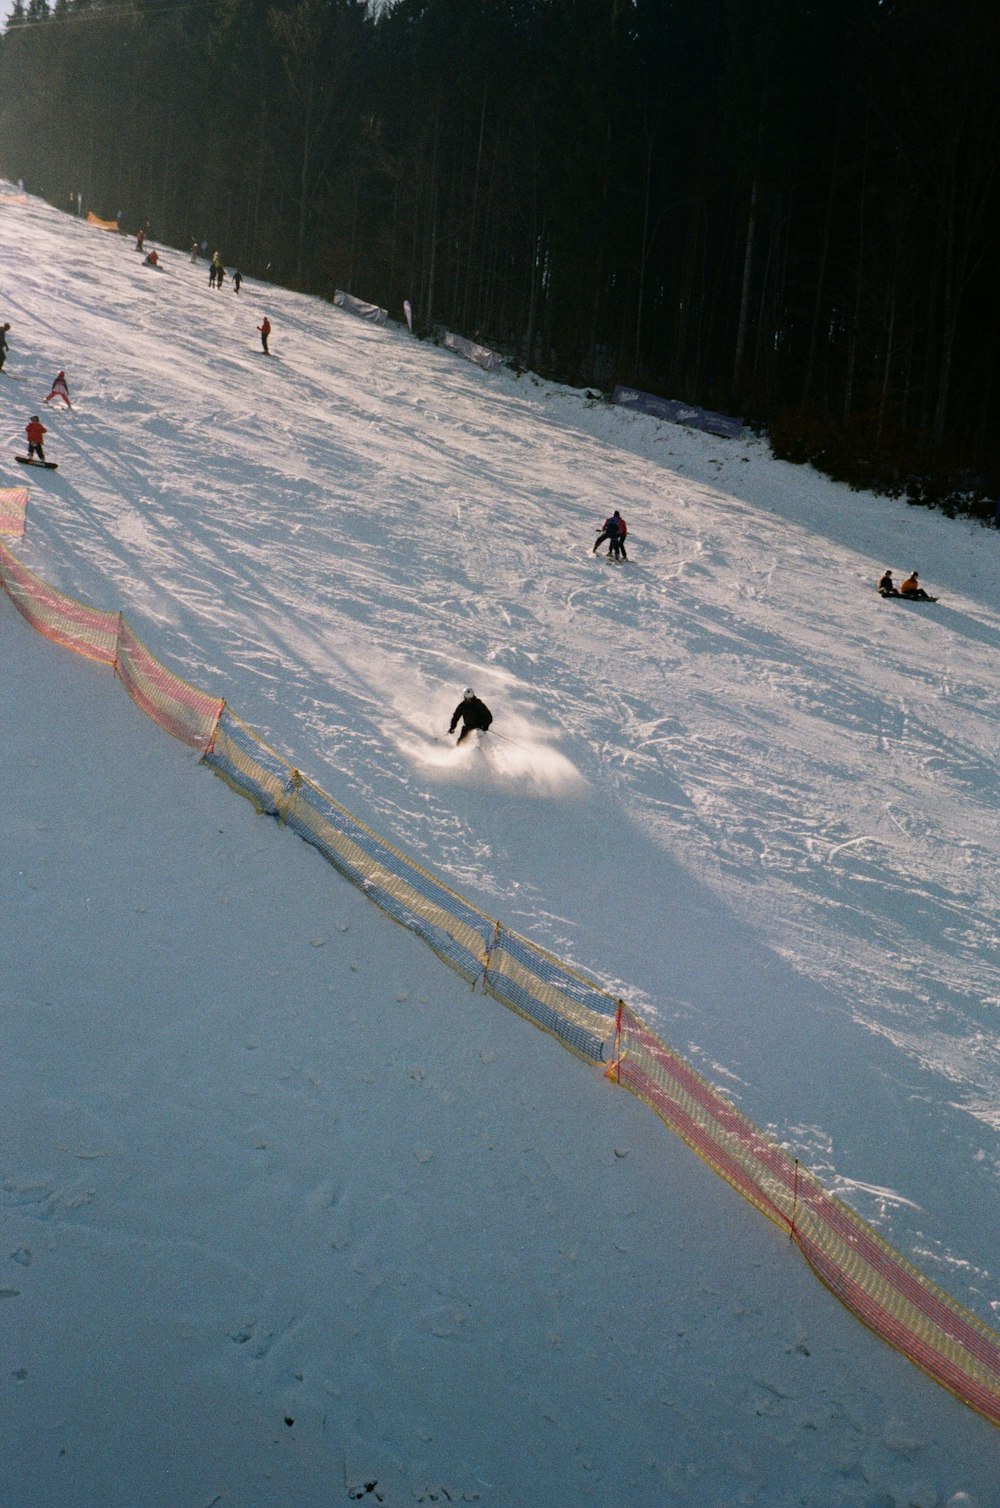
(481, 355)
(352, 305)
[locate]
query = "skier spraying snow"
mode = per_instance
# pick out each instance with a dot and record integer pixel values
(60, 390)
(476, 716)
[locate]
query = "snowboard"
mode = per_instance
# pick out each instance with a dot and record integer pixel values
(904, 597)
(30, 461)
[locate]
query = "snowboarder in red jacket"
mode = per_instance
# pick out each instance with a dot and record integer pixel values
(36, 432)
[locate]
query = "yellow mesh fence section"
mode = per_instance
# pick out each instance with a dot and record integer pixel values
(13, 502)
(87, 630)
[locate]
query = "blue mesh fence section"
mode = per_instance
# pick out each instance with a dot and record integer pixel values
(515, 995)
(248, 765)
(575, 987)
(456, 930)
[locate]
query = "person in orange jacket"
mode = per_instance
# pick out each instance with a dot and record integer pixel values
(265, 330)
(36, 432)
(911, 588)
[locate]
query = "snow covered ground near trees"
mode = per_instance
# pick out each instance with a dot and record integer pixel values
(289, 1215)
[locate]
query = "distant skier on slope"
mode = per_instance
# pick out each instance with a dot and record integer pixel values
(265, 330)
(476, 716)
(3, 345)
(36, 432)
(911, 588)
(59, 389)
(614, 530)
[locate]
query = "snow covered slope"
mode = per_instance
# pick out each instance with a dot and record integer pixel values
(725, 777)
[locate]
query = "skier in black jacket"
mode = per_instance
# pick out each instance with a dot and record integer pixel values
(475, 715)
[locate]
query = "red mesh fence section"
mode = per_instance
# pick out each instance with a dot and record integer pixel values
(183, 710)
(13, 501)
(87, 630)
(873, 1280)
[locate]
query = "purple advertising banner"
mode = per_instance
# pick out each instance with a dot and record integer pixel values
(678, 413)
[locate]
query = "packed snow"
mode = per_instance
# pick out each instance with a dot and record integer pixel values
(290, 1215)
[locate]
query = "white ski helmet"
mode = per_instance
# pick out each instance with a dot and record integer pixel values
(468, 693)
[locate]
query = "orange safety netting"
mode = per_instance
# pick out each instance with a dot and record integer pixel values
(181, 709)
(891, 1296)
(93, 219)
(870, 1277)
(13, 501)
(85, 629)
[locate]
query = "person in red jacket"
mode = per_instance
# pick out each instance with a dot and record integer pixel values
(614, 530)
(36, 432)
(265, 330)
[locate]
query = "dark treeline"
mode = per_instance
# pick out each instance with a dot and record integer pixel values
(784, 208)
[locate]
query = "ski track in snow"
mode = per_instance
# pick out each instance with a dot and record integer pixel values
(726, 749)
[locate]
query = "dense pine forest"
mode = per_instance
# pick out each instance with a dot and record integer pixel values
(786, 209)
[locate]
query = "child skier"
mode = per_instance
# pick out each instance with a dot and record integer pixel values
(60, 390)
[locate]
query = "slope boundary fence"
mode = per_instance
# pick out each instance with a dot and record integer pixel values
(873, 1280)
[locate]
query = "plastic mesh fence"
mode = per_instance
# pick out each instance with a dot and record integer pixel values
(87, 630)
(13, 502)
(181, 709)
(870, 1277)
(873, 1280)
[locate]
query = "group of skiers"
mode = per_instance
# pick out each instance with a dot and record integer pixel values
(217, 274)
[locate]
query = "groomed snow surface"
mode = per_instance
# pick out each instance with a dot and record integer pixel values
(290, 1216)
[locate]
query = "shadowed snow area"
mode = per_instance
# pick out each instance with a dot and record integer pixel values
(290, 1216)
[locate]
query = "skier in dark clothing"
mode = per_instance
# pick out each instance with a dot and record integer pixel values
(3, 345)
(476, 716)
(887, 587)
(237, 280)
(614, 530)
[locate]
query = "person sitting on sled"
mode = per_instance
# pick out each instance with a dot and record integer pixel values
(36, 432)
(60, 390)
(475, 715)
(911, 588)
(152, 260)
(887, 587)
